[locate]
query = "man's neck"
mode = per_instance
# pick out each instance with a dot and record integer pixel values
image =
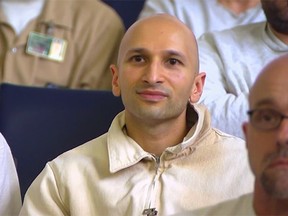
(268, 205)
(156, 137)
(281, 36)
(239, 6)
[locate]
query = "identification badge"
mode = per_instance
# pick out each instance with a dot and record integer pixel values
(46, 46)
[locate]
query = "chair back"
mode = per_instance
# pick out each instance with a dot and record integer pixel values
(41, 123)
(128, 10)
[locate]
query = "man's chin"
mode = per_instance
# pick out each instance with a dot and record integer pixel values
(275, 182)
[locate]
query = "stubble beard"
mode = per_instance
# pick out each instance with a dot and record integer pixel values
(275, 180)
(276, 184)
(277, 19)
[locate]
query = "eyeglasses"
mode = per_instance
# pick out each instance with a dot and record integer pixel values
(265, 119)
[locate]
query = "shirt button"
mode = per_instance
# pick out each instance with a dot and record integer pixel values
(14, 50)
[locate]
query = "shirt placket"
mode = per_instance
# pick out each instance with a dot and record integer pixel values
(151, 209)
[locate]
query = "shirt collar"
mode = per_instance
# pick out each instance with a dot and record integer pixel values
(53, 14)
(124, 152)
(271, 40)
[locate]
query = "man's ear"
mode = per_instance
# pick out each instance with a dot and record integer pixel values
(197, 87)
(244, 129)
(115, 80)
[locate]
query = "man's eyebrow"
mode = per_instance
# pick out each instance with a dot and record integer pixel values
(170, 52)
(265, 101)
(137, 50)
(167, 53)
(175, 53)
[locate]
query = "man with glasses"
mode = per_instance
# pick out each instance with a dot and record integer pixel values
(267, 143)
(232, 60)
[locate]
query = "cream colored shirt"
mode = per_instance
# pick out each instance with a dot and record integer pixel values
(112, 175)
(242, 206)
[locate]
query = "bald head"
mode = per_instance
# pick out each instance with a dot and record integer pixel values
(156, 30)
(271, 84)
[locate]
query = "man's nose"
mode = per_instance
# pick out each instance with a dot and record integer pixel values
(153, 73)
(283, 132)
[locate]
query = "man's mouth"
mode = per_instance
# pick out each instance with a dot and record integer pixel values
(152, 95)
(280, 162)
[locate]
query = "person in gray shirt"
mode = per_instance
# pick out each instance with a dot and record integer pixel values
(207, 15)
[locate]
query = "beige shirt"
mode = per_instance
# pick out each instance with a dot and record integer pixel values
(240, 206)
(93, 32)
(112, 175)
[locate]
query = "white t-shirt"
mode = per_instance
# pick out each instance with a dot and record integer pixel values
(20, 13)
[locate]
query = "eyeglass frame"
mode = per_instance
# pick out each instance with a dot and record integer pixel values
(282, 116)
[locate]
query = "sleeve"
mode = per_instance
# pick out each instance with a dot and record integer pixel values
(152, 7)
(109, 36)
(10, 198)
(43, 196)
(221, 95)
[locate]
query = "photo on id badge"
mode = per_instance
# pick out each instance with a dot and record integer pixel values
(46, 46)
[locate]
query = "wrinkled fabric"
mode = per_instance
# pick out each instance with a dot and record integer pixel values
(242, 206)
(203, 15)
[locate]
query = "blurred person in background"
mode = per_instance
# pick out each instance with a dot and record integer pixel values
(207, 15)
(232, 60)
(266, 135)
(52, 43)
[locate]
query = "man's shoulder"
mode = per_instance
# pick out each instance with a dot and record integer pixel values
(91, 4)
(231, 46)
(93, 149)
(239, 206)
(235, 32)
(86, 8)
(96, 148)
(225, 138)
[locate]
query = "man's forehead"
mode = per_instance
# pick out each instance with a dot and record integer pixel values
(271, 84)
(159, 32)
(166, 45)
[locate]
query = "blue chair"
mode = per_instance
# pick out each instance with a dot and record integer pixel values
(128, 10)
(41, 123)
